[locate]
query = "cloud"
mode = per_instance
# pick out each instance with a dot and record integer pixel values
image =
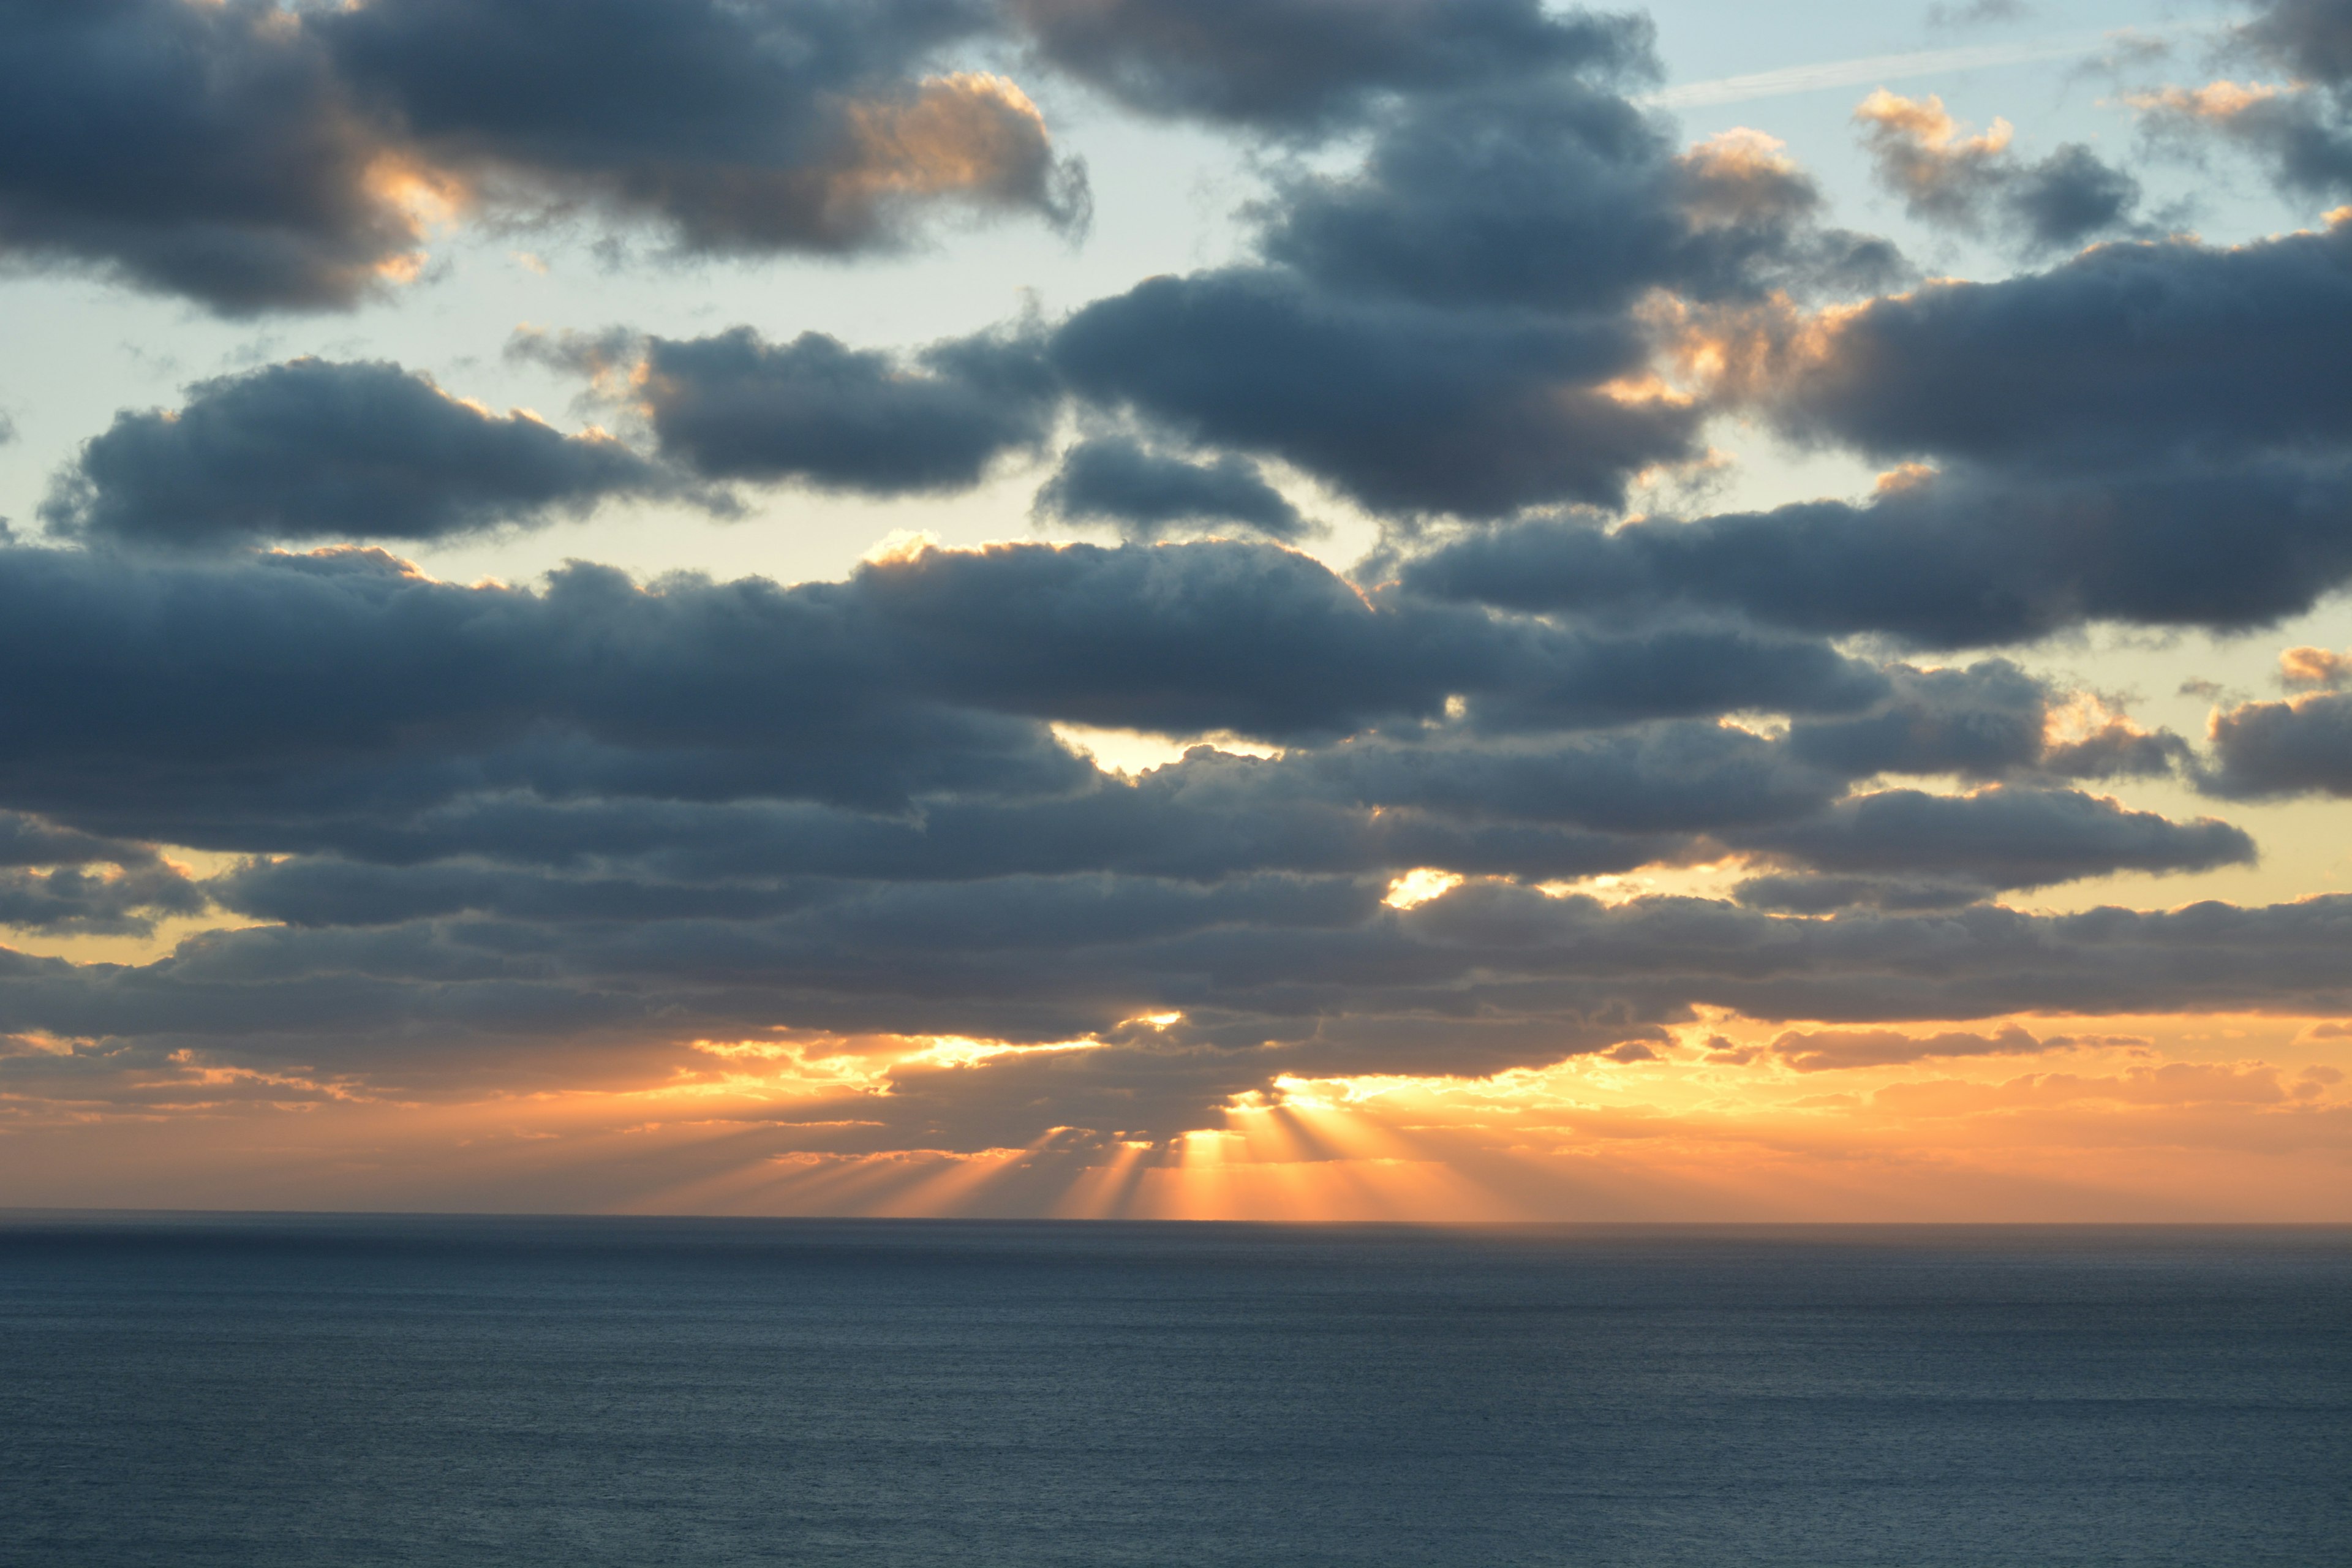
(2303, 746)
(1989, 720)
(1971, 183)
(2311, 37)
(2314, 667)
(2004, 837)
(1961, 559)
(1977, 12)
(213, 154)
(1827, 1050)
(1304, 66)
(314, 449)
(776, 125)
(2120, 355)
(1567, 199)
(253, 158)
(2149, 433)
(48, 882)
(1109, 480)
(734, 407)
(1406, 407)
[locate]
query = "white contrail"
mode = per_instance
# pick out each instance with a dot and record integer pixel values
(1881, 67)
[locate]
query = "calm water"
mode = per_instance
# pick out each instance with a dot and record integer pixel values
(493, 1392)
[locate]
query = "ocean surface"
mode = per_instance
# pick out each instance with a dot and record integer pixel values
(325, 1391)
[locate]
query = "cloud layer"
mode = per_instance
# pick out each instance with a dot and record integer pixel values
(1574, 765)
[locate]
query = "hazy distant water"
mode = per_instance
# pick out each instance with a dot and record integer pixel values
(488, 1393)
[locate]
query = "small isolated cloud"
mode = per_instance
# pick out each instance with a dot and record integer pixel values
(1831, 1049)
(1977, 13)
(1407, 408)
(2314, 667)
(816, 411)
(1974, 183)
(315, 450)
(2302, 746)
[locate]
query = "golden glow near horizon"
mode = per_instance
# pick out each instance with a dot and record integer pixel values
(2211, 1118)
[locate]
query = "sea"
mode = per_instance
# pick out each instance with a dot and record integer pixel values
(507, 1393)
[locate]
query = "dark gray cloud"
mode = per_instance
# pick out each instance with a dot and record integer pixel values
(2124, 354)
(206, 150)
(2070, 197)
(1985, 722)
(2298, 747)
(1111, 479)
(2000, 839)
(340, 685)
(254, 159)
(1977, 184)
(76, 901)
(1686, 777)
(1407, 407)
(242, 698)
(1966, 558)
(773, 125)
(735, 406)
(1990, 721)
(1566, 199)
(1306, 65)
(319, 450)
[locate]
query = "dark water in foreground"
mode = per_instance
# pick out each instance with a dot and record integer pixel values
(492, 1391)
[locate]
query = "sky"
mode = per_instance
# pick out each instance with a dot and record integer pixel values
(1282, 609)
